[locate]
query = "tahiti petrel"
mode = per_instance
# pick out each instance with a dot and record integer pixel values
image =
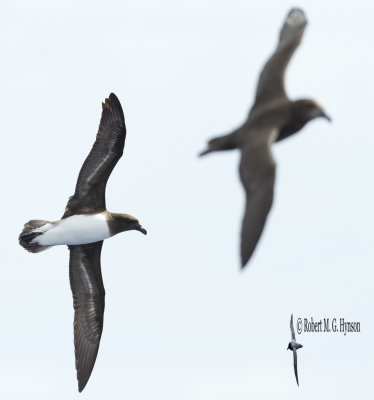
(272, 118)
(83, 227)
(294, 346)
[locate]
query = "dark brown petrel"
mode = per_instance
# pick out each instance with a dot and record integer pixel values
(272, 118)
(83, 227)
(294, 346)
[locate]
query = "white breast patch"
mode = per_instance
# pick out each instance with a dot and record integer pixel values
(77, 229)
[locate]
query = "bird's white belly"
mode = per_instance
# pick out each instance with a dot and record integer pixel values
(77, 229)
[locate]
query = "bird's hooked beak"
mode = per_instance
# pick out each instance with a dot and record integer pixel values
(318, 111)
(139, 228)
(324, 115)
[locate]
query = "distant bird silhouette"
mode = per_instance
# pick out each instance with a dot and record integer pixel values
(294, 346)
(83, 227)
(272, 118)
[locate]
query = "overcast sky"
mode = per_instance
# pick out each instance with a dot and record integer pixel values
(181, 320)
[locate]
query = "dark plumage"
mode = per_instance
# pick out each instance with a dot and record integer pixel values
(89, 196)
(87, 286)
(83, 227)
(272, 118)
(294, 347)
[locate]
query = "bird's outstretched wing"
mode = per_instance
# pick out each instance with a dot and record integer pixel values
(89, 301)
(257, 173)
(292, 328)
(295, 365)
(89, 195)
(271, 82)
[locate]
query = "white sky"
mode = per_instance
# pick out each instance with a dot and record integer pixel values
(181, 321)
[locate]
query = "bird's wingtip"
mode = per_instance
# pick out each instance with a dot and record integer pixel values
(203, 153)
(243, 265)
(244, 260)
(114, 99)
(81, 387)
(82, 384)
(296, 16)
(113, 105)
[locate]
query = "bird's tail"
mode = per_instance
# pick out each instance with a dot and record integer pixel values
(226, 142)
(31, 230)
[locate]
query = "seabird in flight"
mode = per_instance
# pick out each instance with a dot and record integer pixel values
(273, 117)
(294, 346)
(84, 226)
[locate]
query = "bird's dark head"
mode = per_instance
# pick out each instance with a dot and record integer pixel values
(307, 110)
(302, 111)
(289, 346)
(124, 222)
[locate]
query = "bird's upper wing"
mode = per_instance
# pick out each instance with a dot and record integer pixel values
(89, 195)
(295, 365)
(89, 301)
(292, 328)
(257, 173)
(271, 81)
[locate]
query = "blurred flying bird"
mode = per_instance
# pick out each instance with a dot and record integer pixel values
(84, 226)
(294, 346)
(273, 117)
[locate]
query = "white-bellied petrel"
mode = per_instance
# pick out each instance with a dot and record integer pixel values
(83, 227)
(273, 117)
